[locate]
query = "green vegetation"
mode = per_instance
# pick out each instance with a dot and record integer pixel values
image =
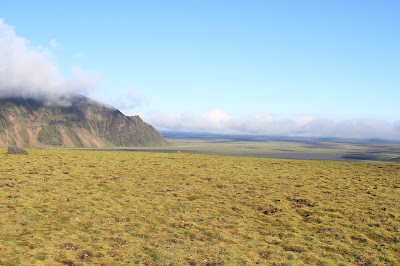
(49, 135)
(193, 197)
(114, 208)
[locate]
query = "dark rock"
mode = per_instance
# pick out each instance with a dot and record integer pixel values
(17, 150)
(271, 210)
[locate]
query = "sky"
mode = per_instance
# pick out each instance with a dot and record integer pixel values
(293, 68)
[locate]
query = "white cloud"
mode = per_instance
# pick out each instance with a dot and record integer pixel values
(397, 125)
(128, 102)
(26, 71)
(264, 124)
(53, 43)
(217, 116)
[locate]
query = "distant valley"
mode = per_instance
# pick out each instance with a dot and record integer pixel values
(280, 147)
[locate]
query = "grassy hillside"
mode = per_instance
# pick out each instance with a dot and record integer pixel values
(109, 208)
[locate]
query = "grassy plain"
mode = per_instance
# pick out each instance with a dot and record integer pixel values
(306, 149)
(66, 207)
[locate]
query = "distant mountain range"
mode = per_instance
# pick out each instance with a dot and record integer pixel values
(81, 123)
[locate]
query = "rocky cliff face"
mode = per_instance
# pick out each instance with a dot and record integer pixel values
(82, 123)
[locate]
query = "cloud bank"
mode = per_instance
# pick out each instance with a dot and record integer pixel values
(26, 71)
(263, 124)
(129, 101)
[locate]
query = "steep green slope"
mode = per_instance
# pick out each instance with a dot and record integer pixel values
(82, 123)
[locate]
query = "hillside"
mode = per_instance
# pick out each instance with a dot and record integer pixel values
(82, 123)
(77, 207)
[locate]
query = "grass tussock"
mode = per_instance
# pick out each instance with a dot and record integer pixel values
(114, 208)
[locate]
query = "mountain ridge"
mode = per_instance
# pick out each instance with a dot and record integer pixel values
(78, 122)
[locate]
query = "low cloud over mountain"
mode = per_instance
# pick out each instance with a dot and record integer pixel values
(26, 71)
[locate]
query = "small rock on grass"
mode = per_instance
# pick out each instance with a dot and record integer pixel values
(17, 150)
(328, 230)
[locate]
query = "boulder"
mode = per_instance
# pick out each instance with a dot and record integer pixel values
(17, 150)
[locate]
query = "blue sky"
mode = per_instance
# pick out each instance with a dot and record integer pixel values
(213, 65)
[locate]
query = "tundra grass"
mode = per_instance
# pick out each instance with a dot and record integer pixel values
(60, 207)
